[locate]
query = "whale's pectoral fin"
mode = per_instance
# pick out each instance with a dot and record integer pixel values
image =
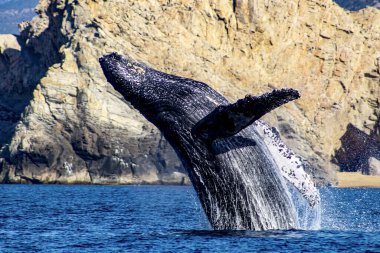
(226, 121)
(291, 165)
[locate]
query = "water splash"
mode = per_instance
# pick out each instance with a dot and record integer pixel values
(309, 218)
(255, 196)
(304, 195)
(250, 192)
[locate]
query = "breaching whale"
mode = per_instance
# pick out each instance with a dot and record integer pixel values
(236, 162)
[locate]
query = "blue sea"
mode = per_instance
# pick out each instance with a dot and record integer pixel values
(57, 218)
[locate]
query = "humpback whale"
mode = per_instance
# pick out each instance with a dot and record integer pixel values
(238, 165)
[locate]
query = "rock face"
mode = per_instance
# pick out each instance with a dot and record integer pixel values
(61, 121)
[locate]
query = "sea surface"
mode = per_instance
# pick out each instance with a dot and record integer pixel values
(57, 218)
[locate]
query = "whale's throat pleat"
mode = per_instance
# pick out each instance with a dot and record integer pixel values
(227, 120)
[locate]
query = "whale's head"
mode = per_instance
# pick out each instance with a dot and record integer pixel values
(127, 76)
(162, 98)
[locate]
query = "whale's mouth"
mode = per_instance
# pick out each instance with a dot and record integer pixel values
(116, 61)
(124, 74)
(109, 63)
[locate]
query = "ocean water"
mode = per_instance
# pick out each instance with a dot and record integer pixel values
(57, 218)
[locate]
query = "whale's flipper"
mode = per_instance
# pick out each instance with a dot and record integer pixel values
(227, 120)
(291, 165)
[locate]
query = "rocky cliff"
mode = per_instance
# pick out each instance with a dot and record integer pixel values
(62, 123)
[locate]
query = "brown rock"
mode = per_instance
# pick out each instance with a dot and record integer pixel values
(71, 118)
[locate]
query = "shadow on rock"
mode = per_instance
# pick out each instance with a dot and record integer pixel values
(358, 152)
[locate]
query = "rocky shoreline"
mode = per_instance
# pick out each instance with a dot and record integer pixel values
(61, 122)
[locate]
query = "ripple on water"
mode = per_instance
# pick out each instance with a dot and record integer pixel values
(52, 218)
